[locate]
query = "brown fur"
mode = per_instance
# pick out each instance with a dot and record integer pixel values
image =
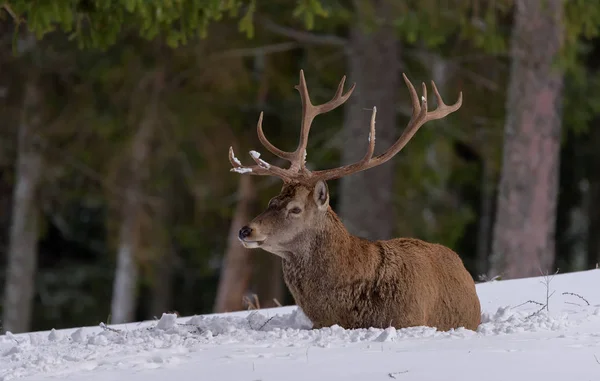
(338, 278)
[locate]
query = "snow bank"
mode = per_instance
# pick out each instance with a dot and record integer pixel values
(172, 340)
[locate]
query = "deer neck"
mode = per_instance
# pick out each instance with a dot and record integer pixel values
(327, 257)
(327, 245)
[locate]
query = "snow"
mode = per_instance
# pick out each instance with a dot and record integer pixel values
(256, 156)
(241, 169)
(373, 114)
(235, 159)
(517, 340)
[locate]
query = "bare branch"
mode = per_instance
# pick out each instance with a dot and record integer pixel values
(301, 36)
(529, 301)
(577, 295)
(544, 307)
(12, 14)
(259, 50)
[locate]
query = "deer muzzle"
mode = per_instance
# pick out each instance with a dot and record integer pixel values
(248, 237)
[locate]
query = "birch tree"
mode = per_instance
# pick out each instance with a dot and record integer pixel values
(126, 275)
(23, 238)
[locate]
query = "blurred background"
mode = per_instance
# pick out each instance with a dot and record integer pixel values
(116, 199)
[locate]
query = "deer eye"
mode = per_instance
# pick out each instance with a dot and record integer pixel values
(295, 210)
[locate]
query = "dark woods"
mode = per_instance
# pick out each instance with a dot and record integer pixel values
(116, 200)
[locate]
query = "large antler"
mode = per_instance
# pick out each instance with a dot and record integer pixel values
(297, 169)
(419, 117)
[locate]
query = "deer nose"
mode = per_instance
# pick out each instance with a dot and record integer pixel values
(244, 232)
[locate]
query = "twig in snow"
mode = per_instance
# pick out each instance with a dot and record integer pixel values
(485, 278)
(393, 375)
(12, 337)
(577, 295)
(107, 328)
(197, 328)
(249, 321)
(546, 282)
(262, 325)
(545, 306)
(529, 301)
(265, 323)
(598, 361)
(251, 305)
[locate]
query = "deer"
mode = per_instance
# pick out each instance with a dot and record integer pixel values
(337, 278)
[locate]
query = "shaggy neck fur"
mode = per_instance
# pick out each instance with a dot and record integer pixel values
(329, 250)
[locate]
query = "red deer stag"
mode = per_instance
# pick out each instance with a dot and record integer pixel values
(338, 278)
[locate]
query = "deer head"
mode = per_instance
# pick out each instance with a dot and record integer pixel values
(303, 203)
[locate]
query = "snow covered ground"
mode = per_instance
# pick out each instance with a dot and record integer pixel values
(514, 342)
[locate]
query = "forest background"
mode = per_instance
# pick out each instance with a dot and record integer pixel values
(116, 199)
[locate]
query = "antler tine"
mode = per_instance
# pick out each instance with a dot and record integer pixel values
(363, 164)
(414, 98)
(261, 169)
(338, 99)
(267, 144)
(420, 116)
(310, 111)
(371, 148)
(308, 114)
(443, 109)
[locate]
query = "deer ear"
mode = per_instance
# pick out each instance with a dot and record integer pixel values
(321, 194)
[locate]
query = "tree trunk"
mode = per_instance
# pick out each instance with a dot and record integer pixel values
(126, 277)
(366, 198)
(593, 252)
(484, 228)
(163, 282)
(268, 284)
(164, 258)
(236, 270)
(523, 241)
(23, 239)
